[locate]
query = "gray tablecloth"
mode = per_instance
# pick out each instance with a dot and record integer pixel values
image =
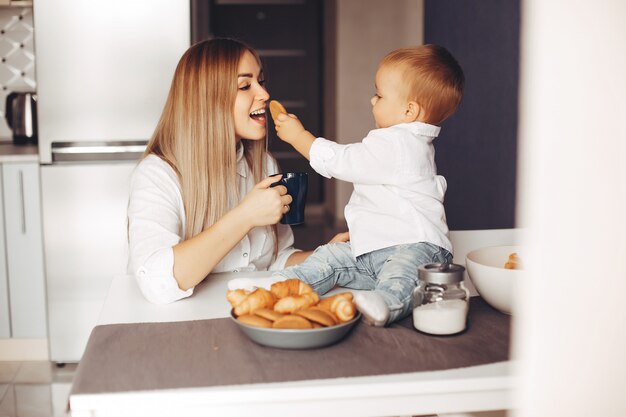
(205, 353)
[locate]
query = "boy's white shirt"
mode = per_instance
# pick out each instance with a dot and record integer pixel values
(157, 219)
(398, 196)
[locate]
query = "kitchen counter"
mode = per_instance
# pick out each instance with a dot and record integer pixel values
(14, 153)
(473, 388)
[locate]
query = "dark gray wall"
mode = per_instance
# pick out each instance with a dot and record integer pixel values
(477, 148)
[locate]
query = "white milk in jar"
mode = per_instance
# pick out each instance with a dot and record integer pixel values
(440, 301)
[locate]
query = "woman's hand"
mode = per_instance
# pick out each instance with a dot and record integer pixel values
(340, 237)
(265, 205)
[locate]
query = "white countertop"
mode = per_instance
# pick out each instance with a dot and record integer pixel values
(18, 153)
(477, 388)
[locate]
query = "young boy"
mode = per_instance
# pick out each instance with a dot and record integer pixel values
(395, 216)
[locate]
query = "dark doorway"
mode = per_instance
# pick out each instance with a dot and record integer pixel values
(288, 36)
(477, 147)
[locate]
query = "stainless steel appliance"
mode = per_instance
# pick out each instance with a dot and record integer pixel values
(103, 71)
(21, 116)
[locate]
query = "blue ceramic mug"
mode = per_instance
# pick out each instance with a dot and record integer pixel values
(297, 184)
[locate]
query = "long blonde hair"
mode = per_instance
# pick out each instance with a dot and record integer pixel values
(196, 132)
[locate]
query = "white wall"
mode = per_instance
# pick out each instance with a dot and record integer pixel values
(366, 31)
(570, 337)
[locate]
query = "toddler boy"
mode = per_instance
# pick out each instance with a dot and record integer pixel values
(395, 215)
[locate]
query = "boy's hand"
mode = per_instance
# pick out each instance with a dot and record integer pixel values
(288, 127)
(290, 130)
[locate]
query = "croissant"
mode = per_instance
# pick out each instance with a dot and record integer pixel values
(326, 302)
(235, 297)
(340, 305)
(259, 298)
(292, 286)
(343, 308)
(293, 303)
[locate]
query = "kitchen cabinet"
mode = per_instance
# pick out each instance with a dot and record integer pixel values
(16, 3)
(22, 295)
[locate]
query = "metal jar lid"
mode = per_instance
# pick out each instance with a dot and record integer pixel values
(441, 273)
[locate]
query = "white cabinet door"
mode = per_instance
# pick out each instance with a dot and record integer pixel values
(84, 217)
(24, 249)
(5, 318)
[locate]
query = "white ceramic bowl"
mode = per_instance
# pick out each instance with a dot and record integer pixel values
(493, 282)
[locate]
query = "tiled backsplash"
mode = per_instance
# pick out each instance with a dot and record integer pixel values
(17, 54)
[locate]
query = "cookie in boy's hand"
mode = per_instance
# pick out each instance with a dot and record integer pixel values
(276, 108)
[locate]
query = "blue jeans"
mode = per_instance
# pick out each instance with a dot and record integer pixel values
(391, 271)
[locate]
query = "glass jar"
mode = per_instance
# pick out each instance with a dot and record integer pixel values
(440, 300)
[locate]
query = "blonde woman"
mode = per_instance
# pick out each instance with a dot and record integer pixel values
(200, 198)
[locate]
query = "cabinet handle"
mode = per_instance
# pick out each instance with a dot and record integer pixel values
(22, 202)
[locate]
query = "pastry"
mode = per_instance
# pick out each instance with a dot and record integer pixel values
(292, 322)
(259, 298)
(513, 262)
(268, 314)
(235, 297)
(293, 303)
(343, 308)
(292, 286)
(290, 304)
(317, 315)
(340, 305)
(276, 108)
(255, 321)
(326, 302)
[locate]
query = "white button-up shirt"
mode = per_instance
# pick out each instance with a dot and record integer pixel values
(156, 223)
(398, 196)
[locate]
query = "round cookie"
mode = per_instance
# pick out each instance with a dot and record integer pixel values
(292, 322)
(317, 315)
(276, 108)
(256, 321)
(268, 314)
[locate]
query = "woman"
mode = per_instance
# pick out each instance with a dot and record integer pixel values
(200, 199)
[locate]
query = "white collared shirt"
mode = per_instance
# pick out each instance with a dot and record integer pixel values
(398, 196)
(156, 223)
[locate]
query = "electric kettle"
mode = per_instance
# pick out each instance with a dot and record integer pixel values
(21, 114)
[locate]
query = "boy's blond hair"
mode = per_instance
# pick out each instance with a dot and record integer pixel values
(434, 79)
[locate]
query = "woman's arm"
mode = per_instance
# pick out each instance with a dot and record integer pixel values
(195, 258)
